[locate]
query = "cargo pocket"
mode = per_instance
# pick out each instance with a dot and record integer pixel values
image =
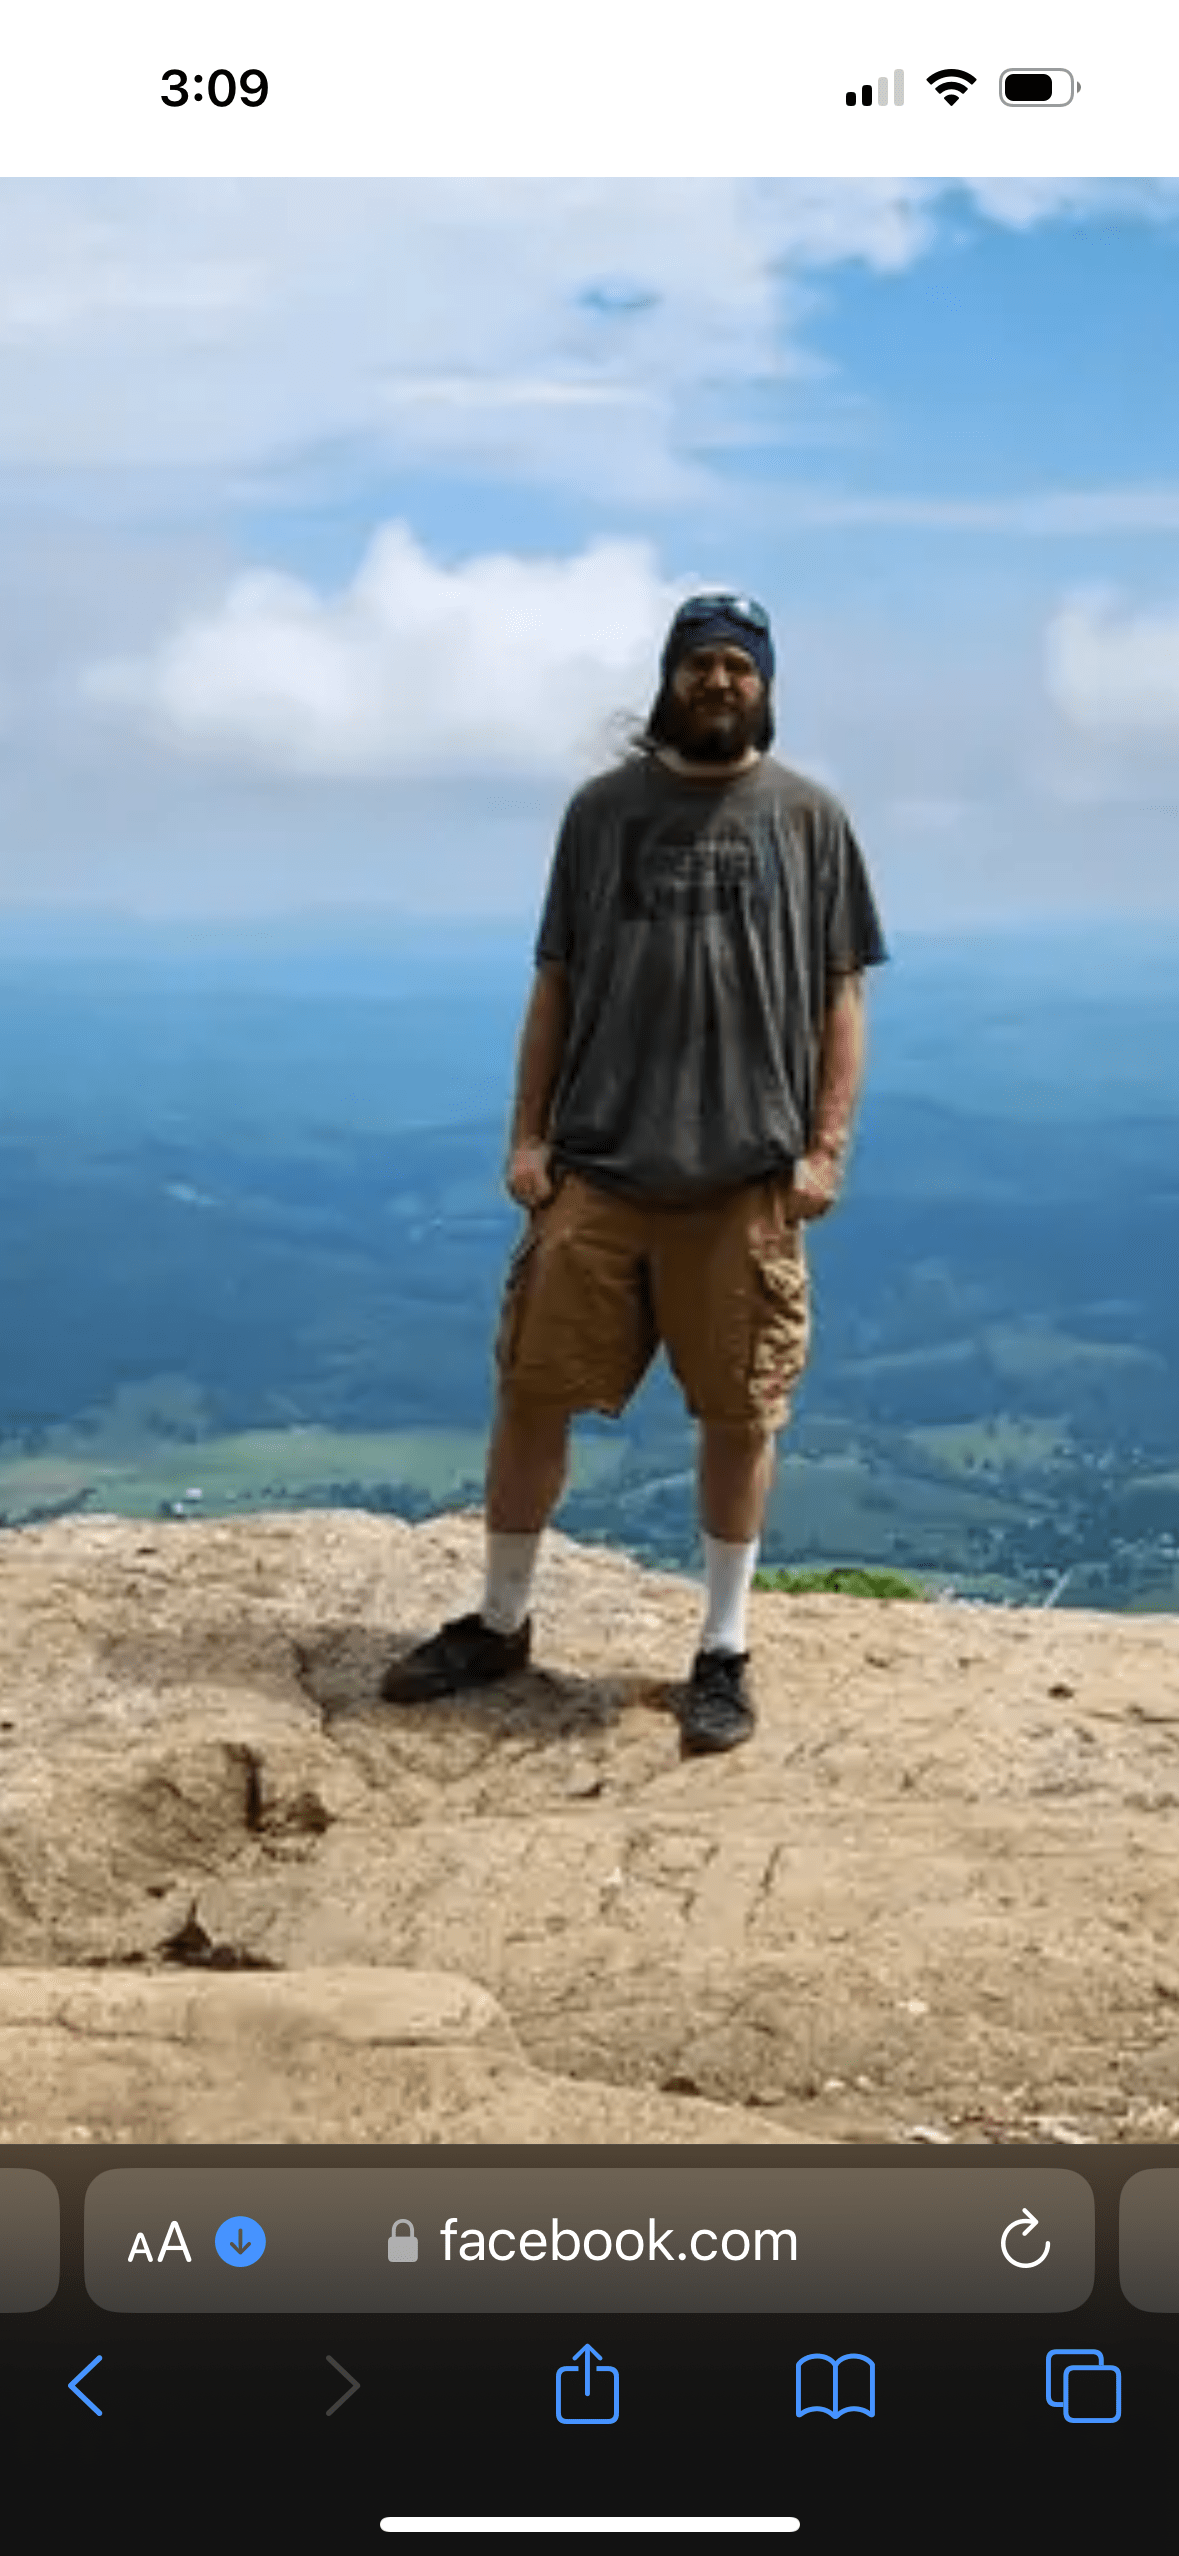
(781, 1317)
(511, 1313)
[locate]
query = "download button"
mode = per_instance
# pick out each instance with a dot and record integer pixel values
(240, 2240)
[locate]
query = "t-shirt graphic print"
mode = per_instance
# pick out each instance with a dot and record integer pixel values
(668, 866)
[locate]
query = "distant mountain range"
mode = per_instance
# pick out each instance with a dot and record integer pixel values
(251, 1184)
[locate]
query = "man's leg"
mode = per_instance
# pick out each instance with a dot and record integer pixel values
(736, 1468)
(527, 1464)
(735, 1471)
(526, 1469)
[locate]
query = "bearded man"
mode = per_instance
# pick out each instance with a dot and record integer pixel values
(688, 1072)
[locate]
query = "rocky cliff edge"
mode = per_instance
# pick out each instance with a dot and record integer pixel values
(241, 1899)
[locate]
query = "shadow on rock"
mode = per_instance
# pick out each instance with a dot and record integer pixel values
(340, 1670)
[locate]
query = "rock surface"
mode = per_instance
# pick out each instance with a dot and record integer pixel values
(328, 2056)
(242, 1899)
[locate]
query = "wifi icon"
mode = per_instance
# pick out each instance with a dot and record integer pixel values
(951, 85)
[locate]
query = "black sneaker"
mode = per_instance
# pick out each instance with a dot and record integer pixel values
(467, 1652)
(716, 1712)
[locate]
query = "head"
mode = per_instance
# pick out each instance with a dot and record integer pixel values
(716, 676)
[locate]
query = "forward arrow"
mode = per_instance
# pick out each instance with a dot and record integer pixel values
(350, 2390)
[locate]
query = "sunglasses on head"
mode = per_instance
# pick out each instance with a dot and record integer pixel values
(734, 608)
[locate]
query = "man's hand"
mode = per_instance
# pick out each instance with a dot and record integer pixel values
(815, 1186)
(528, 1179)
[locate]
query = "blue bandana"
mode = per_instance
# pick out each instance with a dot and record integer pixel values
(717, 621)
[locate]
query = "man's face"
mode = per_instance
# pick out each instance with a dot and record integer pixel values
(715, 704)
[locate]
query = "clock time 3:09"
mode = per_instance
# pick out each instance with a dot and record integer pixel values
(185, 88)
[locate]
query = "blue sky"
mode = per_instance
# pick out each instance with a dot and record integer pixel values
(339, 522)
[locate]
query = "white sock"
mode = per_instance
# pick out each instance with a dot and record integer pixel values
(511, 1562)
(728, 1571)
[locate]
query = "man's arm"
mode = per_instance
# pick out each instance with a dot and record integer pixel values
(841, 1069)
(538, 1064)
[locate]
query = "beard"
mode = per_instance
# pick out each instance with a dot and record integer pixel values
(711, 731)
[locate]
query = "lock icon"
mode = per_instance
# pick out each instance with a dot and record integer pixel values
(403, 2249)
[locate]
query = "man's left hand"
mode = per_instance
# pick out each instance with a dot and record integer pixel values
(815, 1186)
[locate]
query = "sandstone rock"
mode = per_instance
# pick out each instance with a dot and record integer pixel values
(381, 2056)
(398, 2009)
(936, 1893)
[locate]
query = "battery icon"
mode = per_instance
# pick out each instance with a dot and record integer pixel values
(1038, 88)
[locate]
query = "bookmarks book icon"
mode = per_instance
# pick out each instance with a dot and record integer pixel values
(826, 2386)
(951, 85)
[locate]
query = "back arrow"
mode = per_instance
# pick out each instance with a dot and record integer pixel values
(1027, 2222)
(350, 2390)
(75, 2389)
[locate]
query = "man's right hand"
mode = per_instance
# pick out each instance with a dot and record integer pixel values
(528, 1179)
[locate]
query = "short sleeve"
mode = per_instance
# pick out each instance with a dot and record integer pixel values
(852, 932)
(556, 934)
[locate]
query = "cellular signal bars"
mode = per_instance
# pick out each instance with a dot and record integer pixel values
(879, 92)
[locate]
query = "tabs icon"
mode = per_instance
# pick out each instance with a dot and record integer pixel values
(1084, 2386)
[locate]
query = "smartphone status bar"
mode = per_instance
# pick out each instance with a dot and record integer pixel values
(663, 88)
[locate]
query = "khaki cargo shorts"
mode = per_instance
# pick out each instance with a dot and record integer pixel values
(598, 1282)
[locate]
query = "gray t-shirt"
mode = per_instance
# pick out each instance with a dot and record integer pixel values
(702, 926)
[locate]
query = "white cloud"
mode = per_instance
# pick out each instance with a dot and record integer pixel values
(1115, 671)
(1020, 202)
(245, 372)
(500, 664)
(215, 325)
(190, 326)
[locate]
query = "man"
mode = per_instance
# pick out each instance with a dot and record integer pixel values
(688, 1071)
